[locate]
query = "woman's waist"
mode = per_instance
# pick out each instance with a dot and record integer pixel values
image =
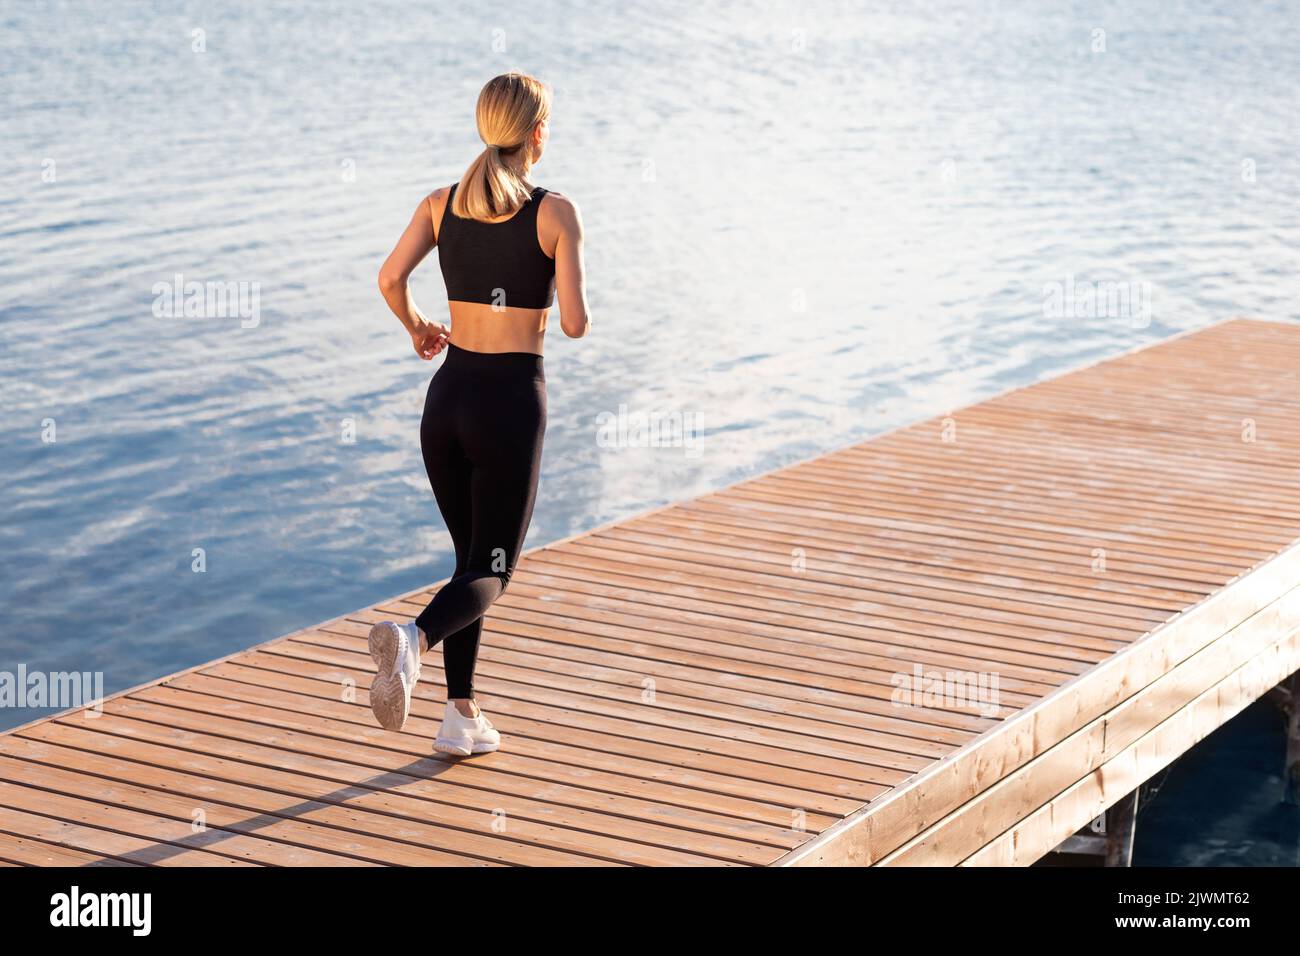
(481, 328)
(493, 364)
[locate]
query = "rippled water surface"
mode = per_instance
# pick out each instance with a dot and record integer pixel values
(804, 226)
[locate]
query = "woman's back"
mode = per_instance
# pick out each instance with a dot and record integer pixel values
(500, 275)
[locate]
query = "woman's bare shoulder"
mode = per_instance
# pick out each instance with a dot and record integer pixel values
(436, 202)
(439, 196)
(560, 209)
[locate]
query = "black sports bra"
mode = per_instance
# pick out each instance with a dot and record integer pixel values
(496, 263)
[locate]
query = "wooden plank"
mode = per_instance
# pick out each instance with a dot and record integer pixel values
(268, 747)
(597, 745)
(296, 836)
(716, 682)
(23, 851)
(1021, 792)
(1142, 759)
(63, 824)
(869, 835)
(1121, 827)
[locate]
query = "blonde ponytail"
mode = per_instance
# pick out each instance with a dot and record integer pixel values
(509, 108)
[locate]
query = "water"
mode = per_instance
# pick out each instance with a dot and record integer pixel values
(805, 225)
(1220, 804)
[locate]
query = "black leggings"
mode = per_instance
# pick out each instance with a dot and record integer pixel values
(481, 435)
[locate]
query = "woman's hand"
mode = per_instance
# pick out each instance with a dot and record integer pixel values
(429, 338)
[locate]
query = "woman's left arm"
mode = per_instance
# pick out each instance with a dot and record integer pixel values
(427, 337)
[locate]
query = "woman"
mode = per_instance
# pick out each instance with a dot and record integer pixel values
(506, 248)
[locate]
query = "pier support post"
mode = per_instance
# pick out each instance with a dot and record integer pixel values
(1121, 825)
(1291, 771)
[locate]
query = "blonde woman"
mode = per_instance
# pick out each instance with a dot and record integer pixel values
(507, 250)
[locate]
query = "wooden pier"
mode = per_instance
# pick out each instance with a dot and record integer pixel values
(1086, 575)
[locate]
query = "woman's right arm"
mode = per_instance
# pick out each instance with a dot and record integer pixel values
(416, 242)
(570, 271)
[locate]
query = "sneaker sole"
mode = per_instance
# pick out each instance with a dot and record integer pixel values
(388, 700)
(459, 750)
(456, 750)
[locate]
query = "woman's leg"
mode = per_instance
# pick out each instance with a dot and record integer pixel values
(460, 650)
(459, 657)
(502, 440)
(450, 475)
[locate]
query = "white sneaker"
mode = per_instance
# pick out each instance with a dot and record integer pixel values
(396, 652)
(462, 736)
